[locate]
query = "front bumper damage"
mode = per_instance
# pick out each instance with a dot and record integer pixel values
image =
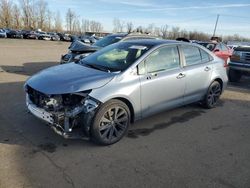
(71, 123)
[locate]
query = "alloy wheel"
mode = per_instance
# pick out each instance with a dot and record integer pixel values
(113, 123)
(214, 94)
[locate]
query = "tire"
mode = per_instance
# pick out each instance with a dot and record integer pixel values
(212, 96)
(110, 123)
(234, 76)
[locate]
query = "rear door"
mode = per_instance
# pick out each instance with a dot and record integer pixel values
(162, 80)
(198, 70)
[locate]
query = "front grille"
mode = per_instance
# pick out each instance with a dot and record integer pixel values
(36, 97)
(246, 57)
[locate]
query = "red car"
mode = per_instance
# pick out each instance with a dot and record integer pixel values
(219, 49)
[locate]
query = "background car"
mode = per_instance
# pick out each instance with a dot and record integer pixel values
(88, 39)
(100, 96)
(54, 36)
(14, 34)
(3, 33)
(29, 34)
(64, 37)
(80, 50)
(219, 49)
(239, 64)
(43, 36)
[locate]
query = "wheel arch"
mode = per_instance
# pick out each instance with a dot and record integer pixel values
(130, 106)
(220, 82)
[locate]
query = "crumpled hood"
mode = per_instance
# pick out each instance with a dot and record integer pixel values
(78, 46)
(68, 78)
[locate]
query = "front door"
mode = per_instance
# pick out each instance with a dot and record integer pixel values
(162, 80)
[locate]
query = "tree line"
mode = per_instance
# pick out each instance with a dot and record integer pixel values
(167, 32)
(34, 14)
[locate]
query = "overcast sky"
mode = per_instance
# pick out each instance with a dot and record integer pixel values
(190, 15)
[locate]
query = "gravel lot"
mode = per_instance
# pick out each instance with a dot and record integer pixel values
(185, 147)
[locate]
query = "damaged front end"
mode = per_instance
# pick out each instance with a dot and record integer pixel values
(70, 115)
(77, 51)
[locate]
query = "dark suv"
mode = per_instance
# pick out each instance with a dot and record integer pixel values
(239, 64)
(78, 50)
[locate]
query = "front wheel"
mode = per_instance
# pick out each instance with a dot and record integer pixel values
(110, 123)
(213, 94)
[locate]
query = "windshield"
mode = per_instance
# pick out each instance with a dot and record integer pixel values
(210, 46)
(117, 57)
(107, 41)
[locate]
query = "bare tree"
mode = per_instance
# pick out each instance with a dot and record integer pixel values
(17, 23)
(118, 25)
(150, 28)
(70, 16)
(85, 25)
(33, 15)
(58, 22)
(28, 12)
(5, 13)
(41, 12)
(95, 26)
(76, 26)
(175, 32)
(130, 27)
(140, 29)
(49, 16)
(157, 31)
(164, 31)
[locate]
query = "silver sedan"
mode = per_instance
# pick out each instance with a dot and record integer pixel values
(101, 95)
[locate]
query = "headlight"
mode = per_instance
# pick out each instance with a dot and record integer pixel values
(90, 104)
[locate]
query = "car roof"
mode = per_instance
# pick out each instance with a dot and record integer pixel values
(118, 35)
(207, 42)
(156, 42)
(131, 35)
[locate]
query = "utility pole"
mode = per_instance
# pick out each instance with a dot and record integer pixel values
(215, 27)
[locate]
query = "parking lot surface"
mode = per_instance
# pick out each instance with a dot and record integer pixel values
(185, 147)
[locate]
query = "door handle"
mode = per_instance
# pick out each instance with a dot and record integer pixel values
(207, 69)
(181, 75)
(154, 74)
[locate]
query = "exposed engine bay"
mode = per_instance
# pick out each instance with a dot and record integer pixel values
(69, 115)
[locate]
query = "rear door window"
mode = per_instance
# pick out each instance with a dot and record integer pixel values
(192, 55)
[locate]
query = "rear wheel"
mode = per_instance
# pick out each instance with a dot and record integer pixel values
(213, 95)
(234, 76)
(110, 123)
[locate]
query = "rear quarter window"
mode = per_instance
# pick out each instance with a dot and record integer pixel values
(205, 57)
